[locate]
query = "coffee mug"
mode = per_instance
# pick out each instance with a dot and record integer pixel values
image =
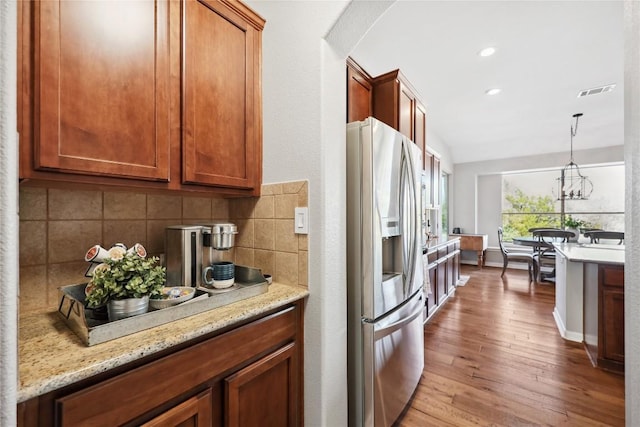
(222, 274)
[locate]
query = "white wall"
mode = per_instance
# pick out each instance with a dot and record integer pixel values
(632, 205)
(8, 214)
(304, 104)
(435, 143)
(472, 207)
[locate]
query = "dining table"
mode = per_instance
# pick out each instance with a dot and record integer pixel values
(531, 241)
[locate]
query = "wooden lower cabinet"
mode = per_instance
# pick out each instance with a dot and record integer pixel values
(196, 411)
(443, 269)
(611, 318)
(441, 278)
(247, 376)
(268, 388)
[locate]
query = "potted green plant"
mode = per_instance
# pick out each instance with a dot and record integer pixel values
(573, 224)
(124, 283)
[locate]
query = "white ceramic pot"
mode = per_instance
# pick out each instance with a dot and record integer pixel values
(123, 308)
(575, 231)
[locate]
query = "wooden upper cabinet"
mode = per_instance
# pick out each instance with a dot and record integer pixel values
(406, 112)
(101, 88)
(359, 93)
(435, 180)
(154, 94)
(420, 128)
(396, 103)
(222, 127)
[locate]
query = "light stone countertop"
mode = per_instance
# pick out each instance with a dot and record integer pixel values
(591, 253)
(51, 355)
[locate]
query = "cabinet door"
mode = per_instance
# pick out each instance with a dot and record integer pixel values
(456, 267)
(428, 170)
(359, 96)
(265, 392)
(451, 280)
(432, 300)
(442, 281)
(612, 336)
(435, 188)
(406, 109)
(101, 94)
(195, 412)
(420, 133)
(222, 127)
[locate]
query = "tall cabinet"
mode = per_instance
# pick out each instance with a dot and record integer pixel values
(396, 103)
(149, 94)
(389, 98)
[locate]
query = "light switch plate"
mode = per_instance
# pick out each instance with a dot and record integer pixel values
(301, 221)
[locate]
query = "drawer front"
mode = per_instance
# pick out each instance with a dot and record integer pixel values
(138, 391)
(613, 276)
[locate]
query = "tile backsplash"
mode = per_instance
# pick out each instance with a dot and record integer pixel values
(58, 226)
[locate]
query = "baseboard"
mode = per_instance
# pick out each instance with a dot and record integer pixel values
(567, 335)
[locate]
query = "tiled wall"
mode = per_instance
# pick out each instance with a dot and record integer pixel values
(58, 226)
(266, 237)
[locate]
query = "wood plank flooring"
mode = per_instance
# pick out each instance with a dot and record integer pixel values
(494, 357)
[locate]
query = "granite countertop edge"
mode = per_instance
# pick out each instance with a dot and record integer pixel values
(51, 356)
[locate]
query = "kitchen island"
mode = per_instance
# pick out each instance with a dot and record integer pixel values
(148, 374)
(590, 299)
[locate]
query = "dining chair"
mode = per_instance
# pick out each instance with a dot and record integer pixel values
(595, 236)
(508, 255)
(544, 253)
(587, 230)
(531, 230)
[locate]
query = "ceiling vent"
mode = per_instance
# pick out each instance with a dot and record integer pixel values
(596, 90)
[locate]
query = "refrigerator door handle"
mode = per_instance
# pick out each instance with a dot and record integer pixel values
(408, 178)
(391, 328)
(406, 253)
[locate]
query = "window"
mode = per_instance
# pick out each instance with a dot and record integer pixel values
(529, 200)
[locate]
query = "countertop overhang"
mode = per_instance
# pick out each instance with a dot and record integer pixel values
(593, 253)
(51, 355)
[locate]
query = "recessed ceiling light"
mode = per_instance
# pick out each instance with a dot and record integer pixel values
(493, 91)
(487, 51)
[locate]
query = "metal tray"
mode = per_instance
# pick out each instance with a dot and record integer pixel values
(95, 329)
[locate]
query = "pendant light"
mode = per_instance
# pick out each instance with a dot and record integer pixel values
(572, 185)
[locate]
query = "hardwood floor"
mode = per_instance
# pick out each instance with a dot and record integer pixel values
(494, 357)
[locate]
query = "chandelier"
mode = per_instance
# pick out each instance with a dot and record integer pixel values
(572, 185)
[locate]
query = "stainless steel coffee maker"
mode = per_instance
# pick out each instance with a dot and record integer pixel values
(187, 247)
(217, 237)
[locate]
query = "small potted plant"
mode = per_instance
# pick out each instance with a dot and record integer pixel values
(124, 283)
(574, 225)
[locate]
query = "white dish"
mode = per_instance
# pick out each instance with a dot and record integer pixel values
(172, 295)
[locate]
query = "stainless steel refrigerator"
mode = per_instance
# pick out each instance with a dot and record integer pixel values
(384, 272)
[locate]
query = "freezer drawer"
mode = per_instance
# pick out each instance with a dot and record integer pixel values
(393, 362)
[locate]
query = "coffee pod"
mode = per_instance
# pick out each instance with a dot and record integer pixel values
(117, 252)
(96, 254)
(137, 249)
